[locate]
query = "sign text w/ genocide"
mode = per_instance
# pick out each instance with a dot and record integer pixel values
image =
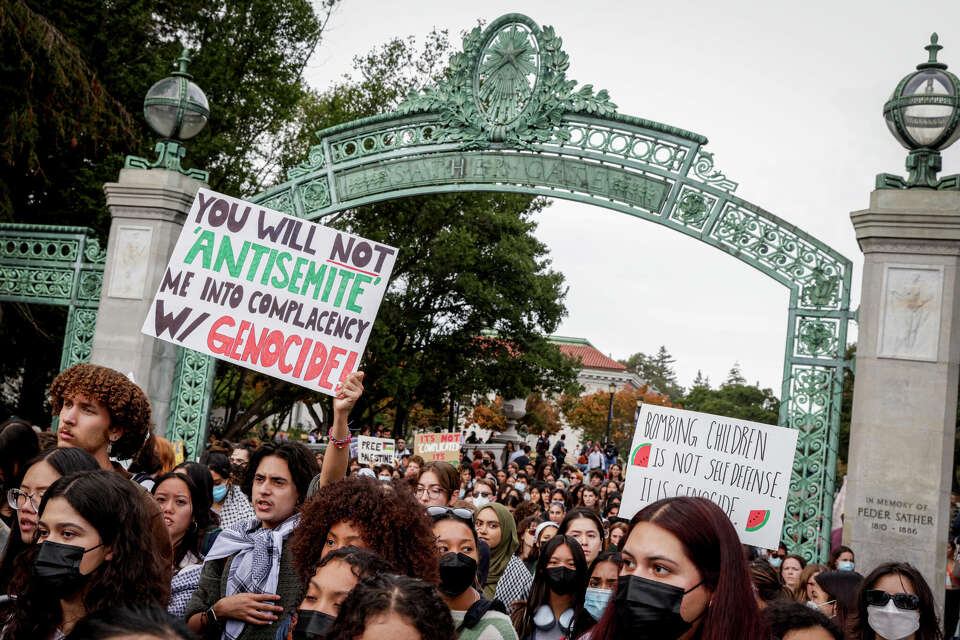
(271, 292)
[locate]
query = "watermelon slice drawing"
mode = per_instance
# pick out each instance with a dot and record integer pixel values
(641, 455)
(757, 518)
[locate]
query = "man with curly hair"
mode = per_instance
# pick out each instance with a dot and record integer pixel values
(101, 411)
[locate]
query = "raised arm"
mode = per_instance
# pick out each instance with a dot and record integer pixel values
(336, 458)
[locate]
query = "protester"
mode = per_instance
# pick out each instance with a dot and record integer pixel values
(366, 513)
(835, 595)
(584, 526)
(92, 528)
(412, 470)
(101, 411)
(895, 603)
(618, 531)
(790, 570)
(328, 584)
(467, 476)
(474, 616)
(842, 559)
(229, 501)
(590, 498)
(18, 444)
(545, 531)
(126, 623)
(602, 579)
(484, 490)
(393, 606)
(496, 526)
(806, 584)
(556, 593)
(186, 512)
(556, 511)
(682, 572)
(40, 473)
(527, 534)
(437, 485)
(789, 620)
(248, 579)
(767, 583)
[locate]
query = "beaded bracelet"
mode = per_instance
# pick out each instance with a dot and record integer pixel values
(338, 443)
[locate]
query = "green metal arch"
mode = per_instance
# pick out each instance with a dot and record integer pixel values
(560, 141)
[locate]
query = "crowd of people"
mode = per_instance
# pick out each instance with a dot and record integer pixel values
(276, 541)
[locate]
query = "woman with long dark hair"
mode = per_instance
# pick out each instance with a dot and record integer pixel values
(186, 512)
(600, 590)
(39, 473)
(895, 603)
(457, 547)
(835, 595)
(683, 577)
(91, 555)
(557, 592)
(585, 526)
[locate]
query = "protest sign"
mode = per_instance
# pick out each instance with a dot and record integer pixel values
(179, 453)
(742, 466)
(443, 446)
(374, 450)
(270, 292)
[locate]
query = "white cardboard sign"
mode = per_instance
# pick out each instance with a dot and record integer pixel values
(270, 292)
(375, 451)
(742, 466)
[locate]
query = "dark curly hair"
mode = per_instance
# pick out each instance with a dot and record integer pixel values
(300, 460)
(408, 597)
(391, 522)
(363, 563)
(128, 406)
(785, 615)
(136, 575)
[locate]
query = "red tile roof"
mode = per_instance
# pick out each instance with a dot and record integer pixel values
(589, 357)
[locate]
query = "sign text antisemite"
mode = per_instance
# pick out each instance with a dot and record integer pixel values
(742, 466)
(271, 292)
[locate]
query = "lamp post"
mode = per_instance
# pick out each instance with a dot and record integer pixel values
(636, 416)
(923, 114)
(177, 110)
(612, 389)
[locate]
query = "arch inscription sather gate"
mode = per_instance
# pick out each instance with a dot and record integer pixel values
(506, 118)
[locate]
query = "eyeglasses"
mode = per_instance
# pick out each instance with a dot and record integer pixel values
(438, 513)
(481, 494)
(17, 499)
(433, 492)
(880, 598)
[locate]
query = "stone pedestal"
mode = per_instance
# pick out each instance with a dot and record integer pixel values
(148, 209)
(905, 396)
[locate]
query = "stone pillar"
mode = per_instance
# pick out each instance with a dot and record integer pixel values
(148, 209)
(905, 395)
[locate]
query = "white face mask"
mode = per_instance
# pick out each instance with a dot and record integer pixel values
(892, 623)
(480, 501)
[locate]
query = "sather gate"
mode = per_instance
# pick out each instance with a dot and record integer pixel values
(506, 118)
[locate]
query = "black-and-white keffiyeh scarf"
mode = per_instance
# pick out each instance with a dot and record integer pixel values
(256, 564)
(236, 508)
(184, 583)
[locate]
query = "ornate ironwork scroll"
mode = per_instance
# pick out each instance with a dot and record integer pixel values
(190, 400)
(47, 264)
(506, 118)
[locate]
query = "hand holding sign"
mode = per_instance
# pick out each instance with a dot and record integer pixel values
(348, 393)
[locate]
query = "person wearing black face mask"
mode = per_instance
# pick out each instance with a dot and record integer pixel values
(558, 588)
(328, 585)
(473, 615)
(682, 576)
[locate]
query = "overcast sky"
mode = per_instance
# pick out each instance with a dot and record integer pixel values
(790, 97)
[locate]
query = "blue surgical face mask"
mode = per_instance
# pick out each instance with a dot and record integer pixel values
(775, 561)
(520, 486)
(595, 601)
(219, 492)
(845, 565)
(385, 478)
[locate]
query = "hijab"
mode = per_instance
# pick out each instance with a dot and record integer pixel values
(500, 555)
